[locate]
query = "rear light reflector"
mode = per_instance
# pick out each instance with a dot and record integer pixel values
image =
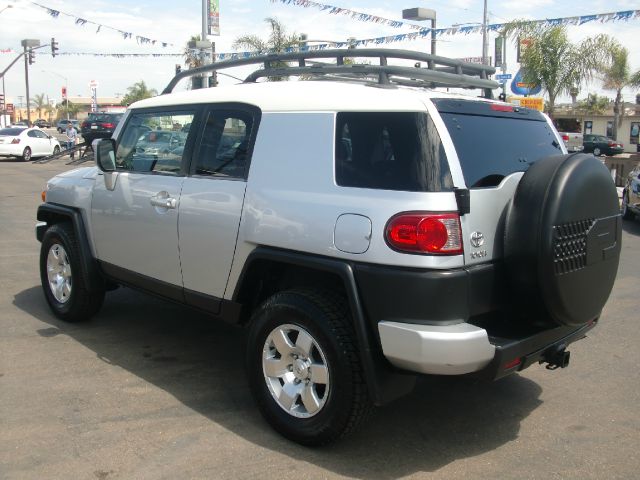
(15, 140)
(513, 363)
(85, 125)
(425, 233)
(108, 125)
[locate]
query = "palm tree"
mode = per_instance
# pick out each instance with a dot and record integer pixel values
(138, 91)
(279, 41)
(616, 75)
(593, 104)
(49, 111)
(39, 102)
(555, 63)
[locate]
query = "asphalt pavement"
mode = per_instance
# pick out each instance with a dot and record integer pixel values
(152, 390)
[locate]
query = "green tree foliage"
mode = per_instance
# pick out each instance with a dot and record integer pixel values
(39, 102)
(616, 76)
(138, 91)
(593, 104)
(279, 40)
(553, 62)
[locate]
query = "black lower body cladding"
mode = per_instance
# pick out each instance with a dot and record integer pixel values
(562, 239)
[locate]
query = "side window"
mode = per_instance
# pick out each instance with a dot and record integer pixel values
(154, 142)
(32, 133)
(40, 134)
(390, 151)
(224, 147)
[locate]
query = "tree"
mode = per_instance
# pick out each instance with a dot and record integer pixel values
(616, 76)
(73, 108)
(138, 91)
(278, 42)
(553, 62)
(39, 102)
(49, 111)
(593, 104)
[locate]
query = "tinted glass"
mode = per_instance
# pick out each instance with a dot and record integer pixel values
(225, 142)
(104, 117)
(153, 142)
(11, 132)
(492, 147)
(390, 151)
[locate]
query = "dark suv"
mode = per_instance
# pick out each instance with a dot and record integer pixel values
(99, 125)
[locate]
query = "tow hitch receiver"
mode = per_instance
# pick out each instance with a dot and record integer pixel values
(556, 357)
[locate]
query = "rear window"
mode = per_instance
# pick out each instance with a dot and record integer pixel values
(390, 151)
(104, 117)
(492, 144)
(11, 132)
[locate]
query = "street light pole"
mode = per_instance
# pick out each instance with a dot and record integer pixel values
(485, 47)
(420, 14)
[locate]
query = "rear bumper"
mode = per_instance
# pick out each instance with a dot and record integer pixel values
(464, 348)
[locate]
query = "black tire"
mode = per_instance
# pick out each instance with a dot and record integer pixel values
(81, 303)
(626, 213)
(597, 152)
(562, 240)
(56, 150)
(325, 317)
(26, 154)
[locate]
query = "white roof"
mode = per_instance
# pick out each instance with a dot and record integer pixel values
(306, 96)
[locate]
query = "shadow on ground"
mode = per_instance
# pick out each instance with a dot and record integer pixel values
(199, 362)
(631, 226)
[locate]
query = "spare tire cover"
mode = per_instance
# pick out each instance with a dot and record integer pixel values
(562, 239)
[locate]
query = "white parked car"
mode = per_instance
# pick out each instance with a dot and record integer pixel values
(27, 143)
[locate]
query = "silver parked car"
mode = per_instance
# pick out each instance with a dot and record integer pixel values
(364, 229)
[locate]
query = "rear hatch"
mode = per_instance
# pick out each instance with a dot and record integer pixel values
(495, 144)
(100, 123)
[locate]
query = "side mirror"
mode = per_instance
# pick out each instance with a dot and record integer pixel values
(105, 150)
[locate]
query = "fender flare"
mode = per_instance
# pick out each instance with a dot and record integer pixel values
(50, 214)
(385, 384)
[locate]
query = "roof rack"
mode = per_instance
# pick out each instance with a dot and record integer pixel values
(439, 71)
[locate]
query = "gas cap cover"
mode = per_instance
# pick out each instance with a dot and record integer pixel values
(352, 233)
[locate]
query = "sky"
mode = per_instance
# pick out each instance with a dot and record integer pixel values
(174, 22)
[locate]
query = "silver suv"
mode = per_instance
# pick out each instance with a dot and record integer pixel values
(363, 230)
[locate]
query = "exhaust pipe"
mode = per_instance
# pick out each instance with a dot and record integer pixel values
(556, 357)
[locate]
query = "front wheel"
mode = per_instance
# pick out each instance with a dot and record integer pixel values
(64, 279)
(626, 213)
(56, 150)
(304, 367)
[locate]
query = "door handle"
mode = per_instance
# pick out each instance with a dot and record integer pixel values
(164, 202)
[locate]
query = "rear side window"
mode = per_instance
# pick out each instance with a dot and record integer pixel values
(492, 144)
(11, 132)
(390, 151)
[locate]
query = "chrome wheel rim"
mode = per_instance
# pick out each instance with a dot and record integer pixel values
(59, 273)
(296, 371)
(27, 153)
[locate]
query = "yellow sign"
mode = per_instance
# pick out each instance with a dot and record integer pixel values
(537, 103)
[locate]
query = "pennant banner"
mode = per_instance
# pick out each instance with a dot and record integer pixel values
(494, 27)
(82, 22)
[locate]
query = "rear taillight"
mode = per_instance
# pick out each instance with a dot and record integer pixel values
(15, 140)
(433, 233)
(108, 125)
(502, 108)
(85, 125)
(565, 138)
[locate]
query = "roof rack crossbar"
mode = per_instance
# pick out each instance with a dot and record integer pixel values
(441, 70)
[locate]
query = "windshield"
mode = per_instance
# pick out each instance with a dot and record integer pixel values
(11, 132)
(490, 147)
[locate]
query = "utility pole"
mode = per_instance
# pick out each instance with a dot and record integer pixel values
(485, 47)
(28, 58)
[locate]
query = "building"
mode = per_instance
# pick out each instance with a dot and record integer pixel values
(105, 104)
(570, 118)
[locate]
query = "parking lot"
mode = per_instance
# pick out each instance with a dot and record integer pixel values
(150, 390)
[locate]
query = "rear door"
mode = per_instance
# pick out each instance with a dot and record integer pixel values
(495, 144)
(212, 199)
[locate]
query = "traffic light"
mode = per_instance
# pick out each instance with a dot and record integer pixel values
(54, 47)
(32, 56)
(178, 68)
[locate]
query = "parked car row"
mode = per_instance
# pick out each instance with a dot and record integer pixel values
(589, 143)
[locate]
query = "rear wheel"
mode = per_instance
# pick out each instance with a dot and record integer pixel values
(597, 152)
(304, 368)
(26, 154)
